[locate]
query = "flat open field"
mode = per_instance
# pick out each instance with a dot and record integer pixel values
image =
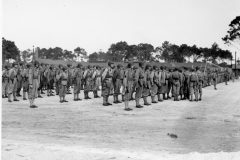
(87, 130)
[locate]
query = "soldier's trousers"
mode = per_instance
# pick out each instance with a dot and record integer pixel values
(106, 87)
(214, 83)
(176, 88)
(12, 86)
(77, 86)
(62, 90)
(32, 93)
(117, 85)
(4, 87)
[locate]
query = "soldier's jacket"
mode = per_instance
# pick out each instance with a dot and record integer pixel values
(200, 75)
(57, 72)
(50, 74)
(214, 75)
(187, 77)
(107, 73)
(5, 75)
(175, 76)
(154, 77)
(19, 73)
(147, 79)
(34, 73)
(128, 77)
(162, 77)
(25, 74)
(77, 74)
(12, 74)
(139, 77)
(116, 75)
(87, 74)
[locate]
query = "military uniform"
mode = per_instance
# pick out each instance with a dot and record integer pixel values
(63, 79)
(26, 81)
(107, 83)
(200, 76)
(146, 85)
(96, 81)
(5, 82)
(186, 88)
(87, 76)
(50, 76)
(215, 77)
(176, 77)
(193, 85)
(77, 80)
(117, 83)
(128, 86)
(12, 87)
(154, 79)
(161, 83)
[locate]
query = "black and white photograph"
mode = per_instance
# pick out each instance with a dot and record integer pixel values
(120, 80)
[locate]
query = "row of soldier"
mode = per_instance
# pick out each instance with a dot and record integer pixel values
(144, 80)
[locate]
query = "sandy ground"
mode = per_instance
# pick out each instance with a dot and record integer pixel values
(209, 129)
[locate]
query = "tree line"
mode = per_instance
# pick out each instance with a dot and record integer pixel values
(122, 51)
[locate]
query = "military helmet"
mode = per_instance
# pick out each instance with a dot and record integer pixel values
(109, 63)
(69, 65)
(36, 63)
(79, 65)
(29, 65)
(119, 66)
(14, 63)
(6, 66)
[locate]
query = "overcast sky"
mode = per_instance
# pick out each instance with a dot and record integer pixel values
(96, 24)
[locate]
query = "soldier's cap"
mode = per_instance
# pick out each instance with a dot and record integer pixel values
(135, 67)
(141, 64)
(119, 66)
(29, 65)
(197, 68)
(14, 63)
(129, 65)
(42, 64)
(89, 66)
(98, 67)
(36, 63)
(21, 63)
(60, 65)
(65, 68)
(155, 66)
(6, 66)
(148, 66)
(110, 62)
(79, 65)
(161, 67)
(69, 65)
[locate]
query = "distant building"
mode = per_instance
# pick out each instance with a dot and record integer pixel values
(237, 69)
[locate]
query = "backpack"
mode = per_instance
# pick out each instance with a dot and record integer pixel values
(200, 76)
(193, 77)
(175, 75)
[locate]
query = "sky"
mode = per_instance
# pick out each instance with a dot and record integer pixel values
(96, 24)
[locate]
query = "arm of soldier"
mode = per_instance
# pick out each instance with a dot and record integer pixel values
(85, 74)
(151, 77)
(30, 77)
(94, 75)
(104, 74)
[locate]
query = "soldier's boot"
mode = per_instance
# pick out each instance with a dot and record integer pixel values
(177, 97)
(200, 97)
(153, 99)
(107, 100)
(145, 101)
(196, 96)
(159, 98)
(191, 98)
(51, 92)
(97, 94)
(64, 100)
(131, 99)
(85, 95)
(14, 97)
(123, 98)
(75, 97)
(118, 99)
(94, 95)
(79, 99)
(39, 95)
(114, 99)
(42, 91)
(9, 98)
(137, 103)
(61, 99)
(24, 96)
(48, 94)
(88, 95)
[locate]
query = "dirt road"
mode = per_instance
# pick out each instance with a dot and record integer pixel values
(87, 130)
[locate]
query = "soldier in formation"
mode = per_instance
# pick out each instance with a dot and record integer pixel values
(135, 82)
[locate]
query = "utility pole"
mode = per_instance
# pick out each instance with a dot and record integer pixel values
(235, 63)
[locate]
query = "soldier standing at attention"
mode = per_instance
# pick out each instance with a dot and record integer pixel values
(181, 93)
(200, 76)
(34, 80)
(5, 81)
(106, 83)
(41, 68)
(233, 76)
(146, 85)
(226, 75)
(50, 75)
(161, 81)
(12, 88)
(139, 80)
(134, 82)
(175, 76)
(215, 76)
(193, 84)
(63, 78)
(19, 79)
(117, 83)
(26, 80)
(128, 85)
(69, 70)
(95, 81)
(87, 76)
(186, 89)
(154, 83)
(77, 79)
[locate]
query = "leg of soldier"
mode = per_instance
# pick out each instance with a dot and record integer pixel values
(10, 90)
(200, 91)
(138, 96)
(215, 84)
(3, 88)
(196, 86)
(177, 90)
(153, 92)
(105, 93)
(174, 90)
(191, 91)
(145, 94)
(64, 93)
(15, 91)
